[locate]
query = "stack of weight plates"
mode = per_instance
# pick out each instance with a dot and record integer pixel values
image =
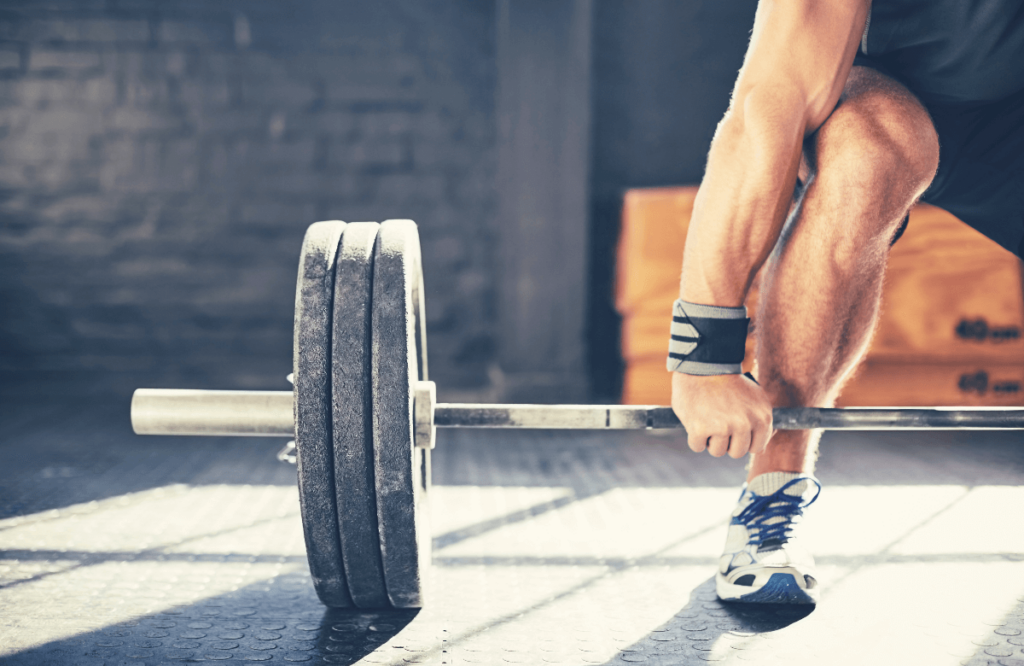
(360, 348)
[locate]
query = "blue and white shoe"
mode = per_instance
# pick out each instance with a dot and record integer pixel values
(761, 564)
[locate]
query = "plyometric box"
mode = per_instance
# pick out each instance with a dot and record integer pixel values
(951, 330)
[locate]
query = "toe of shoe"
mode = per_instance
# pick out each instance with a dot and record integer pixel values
(782, 587)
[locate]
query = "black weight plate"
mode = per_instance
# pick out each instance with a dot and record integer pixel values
(311, 354)
(401, 468)
(353, 429)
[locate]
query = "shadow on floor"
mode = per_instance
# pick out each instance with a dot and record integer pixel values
(695, 634)
(273, 620)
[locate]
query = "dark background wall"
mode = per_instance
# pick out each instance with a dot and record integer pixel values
(159, 162)
(663, 71)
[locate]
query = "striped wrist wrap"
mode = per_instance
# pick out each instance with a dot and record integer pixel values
(707, 339)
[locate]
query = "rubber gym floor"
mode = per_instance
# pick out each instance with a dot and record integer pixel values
(549, 548)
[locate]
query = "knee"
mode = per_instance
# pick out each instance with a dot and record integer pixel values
(881, 150)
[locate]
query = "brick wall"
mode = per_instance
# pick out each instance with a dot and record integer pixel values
(160, 161)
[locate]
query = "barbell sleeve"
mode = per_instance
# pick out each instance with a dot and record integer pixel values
(213, 413)
(269, 414)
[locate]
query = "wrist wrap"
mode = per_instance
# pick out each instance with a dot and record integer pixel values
(707, 339)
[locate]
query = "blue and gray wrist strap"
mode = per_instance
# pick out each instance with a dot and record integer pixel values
(707, 339)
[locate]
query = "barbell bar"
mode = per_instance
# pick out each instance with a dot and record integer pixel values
(363, 414)
(270, 414)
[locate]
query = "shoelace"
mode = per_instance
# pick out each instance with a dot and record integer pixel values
(777, 505)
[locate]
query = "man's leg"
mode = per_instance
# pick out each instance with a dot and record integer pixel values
(866, 165)
(872, 159)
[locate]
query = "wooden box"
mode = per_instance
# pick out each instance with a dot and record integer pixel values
(951, 330)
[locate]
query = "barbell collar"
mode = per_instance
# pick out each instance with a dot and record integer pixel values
(269, 414)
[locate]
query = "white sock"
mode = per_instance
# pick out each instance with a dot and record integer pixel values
(770, 482)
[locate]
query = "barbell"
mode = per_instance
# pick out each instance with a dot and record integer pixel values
(363, 414)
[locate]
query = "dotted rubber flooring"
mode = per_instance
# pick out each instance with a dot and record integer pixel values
(549, 548)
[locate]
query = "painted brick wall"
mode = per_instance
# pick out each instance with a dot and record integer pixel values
(160, 161)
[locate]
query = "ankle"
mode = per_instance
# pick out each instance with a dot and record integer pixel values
(755, 470)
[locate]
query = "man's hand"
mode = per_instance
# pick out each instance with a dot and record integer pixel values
(722, 413)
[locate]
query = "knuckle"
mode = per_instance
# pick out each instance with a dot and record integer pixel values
(719, 447)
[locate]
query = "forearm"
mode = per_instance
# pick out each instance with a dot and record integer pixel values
(799, 57)
(744, 197)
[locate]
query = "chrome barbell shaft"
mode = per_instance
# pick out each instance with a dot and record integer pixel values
(639, 417)
(269, 414)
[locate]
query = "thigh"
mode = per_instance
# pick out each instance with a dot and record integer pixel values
(981, 167)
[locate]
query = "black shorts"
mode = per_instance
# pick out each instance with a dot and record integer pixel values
(981, 162)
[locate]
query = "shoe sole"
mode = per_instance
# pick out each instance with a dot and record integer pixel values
(781, 588)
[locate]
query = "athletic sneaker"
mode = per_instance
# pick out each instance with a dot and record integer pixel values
(761, 564)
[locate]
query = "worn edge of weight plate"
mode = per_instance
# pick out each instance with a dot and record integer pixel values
(401, 497)
(311, 358)
(422, 456)
(355, 489)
